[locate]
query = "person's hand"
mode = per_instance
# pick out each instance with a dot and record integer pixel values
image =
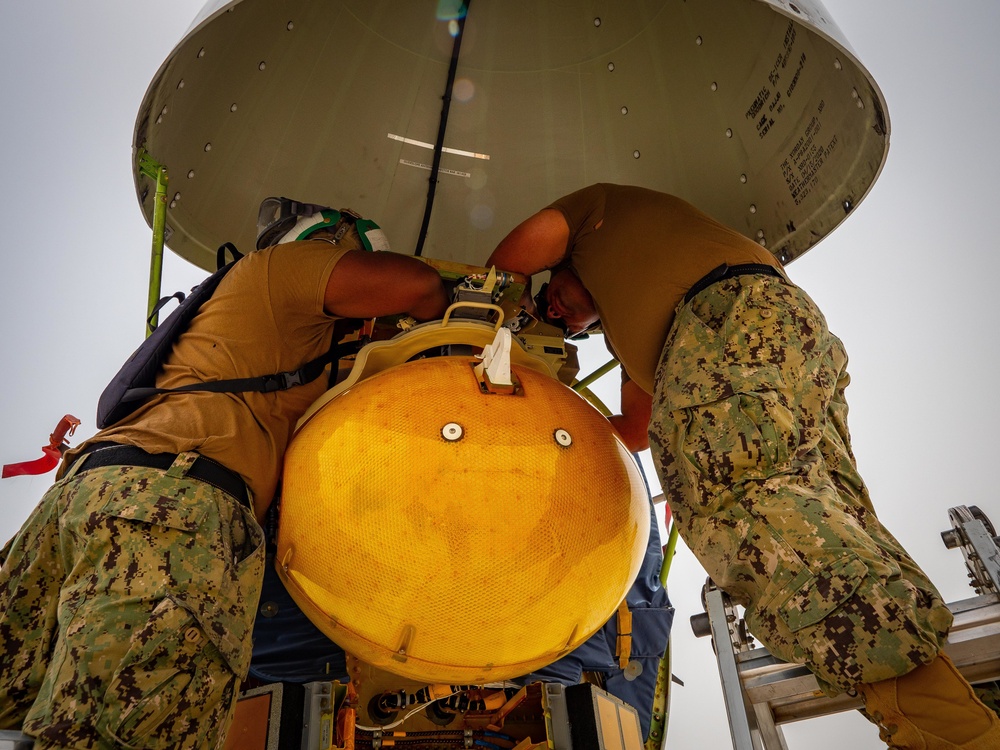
(632, 423)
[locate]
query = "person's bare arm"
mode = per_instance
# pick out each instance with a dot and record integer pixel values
(367, 285)
(633, 423)
(536, 244)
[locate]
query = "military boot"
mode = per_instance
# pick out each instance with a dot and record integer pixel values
(931, 708)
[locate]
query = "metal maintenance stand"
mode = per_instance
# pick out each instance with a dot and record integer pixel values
(762, 692)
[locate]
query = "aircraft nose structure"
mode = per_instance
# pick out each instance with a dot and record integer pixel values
(456, 535)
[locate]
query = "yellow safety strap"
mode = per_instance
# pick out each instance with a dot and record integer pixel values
(623, 646)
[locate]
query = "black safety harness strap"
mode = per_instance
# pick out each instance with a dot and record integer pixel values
(280, 381)
(220, 263)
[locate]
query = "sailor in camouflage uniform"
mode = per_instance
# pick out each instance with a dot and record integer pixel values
(742, 386)
(127, 599)
(126, 603)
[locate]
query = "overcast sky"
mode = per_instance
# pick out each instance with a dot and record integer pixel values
(908, 281)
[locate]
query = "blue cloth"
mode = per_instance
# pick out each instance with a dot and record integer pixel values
(287, 647)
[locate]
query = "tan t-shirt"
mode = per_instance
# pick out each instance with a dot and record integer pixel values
(265, 317)
(649, 250)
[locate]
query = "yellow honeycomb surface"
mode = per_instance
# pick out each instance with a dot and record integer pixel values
(456, 536)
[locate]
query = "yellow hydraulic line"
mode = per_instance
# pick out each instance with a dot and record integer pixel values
(598, 373)
(657, 739)
(155, 171)
(668, 553)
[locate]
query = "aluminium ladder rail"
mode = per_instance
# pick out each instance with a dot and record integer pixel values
(762, 692)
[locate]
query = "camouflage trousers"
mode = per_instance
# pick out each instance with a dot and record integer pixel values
(127, 602)
(749, 435)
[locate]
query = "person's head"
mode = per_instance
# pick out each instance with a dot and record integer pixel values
(281, 220)
(567, 303)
